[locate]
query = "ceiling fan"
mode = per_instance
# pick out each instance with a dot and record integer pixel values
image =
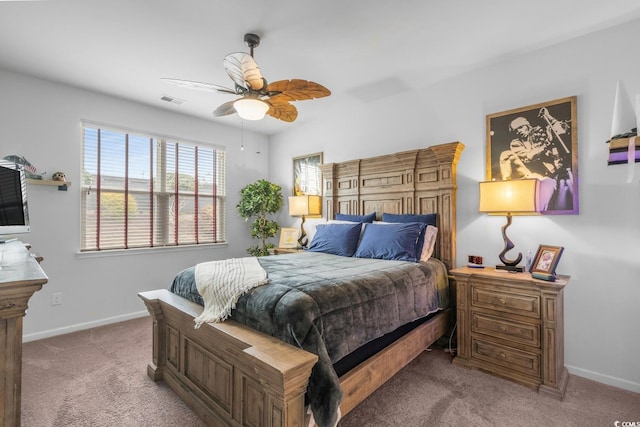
(257, 96)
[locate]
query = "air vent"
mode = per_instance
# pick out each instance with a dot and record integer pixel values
(172, 100)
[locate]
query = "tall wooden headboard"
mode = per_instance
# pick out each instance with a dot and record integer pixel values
(410, 182)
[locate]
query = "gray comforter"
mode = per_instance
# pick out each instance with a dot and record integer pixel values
(332, 305)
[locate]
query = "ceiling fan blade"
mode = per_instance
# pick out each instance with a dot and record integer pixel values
(199, 85)
(296, 90)
(243, 70)
(282, 110)
(225, 109)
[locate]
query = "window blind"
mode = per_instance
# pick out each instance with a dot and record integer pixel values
(143, 191)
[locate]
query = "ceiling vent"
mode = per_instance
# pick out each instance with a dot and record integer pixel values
(172, 100)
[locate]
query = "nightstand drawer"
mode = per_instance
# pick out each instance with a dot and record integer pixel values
(494, 299)
(524, 333)
(509, 358)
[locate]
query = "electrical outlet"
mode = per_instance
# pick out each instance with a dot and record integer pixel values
(56, 298)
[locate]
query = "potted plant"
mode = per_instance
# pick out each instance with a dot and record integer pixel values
(259, 200)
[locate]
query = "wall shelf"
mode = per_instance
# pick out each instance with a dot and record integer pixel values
(619, 149)
(62, 185)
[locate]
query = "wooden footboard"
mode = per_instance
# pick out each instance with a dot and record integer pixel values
(231, 375)
(228, 374)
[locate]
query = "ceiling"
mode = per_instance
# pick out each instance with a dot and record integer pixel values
(362, 50)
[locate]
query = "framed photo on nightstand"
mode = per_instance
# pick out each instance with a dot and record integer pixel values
(545, 262)
(288, 238)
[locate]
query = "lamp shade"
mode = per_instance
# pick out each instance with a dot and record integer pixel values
(305, 205)
(251, 108)
(516, 197)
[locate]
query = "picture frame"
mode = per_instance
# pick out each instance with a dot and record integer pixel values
(288, 238)
(307, 176)
(546, 260)
(538, 141)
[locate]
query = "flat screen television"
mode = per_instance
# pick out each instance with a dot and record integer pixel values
(14, 213)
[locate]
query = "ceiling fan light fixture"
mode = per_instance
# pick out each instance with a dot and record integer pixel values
(257, 97)
(251, 108)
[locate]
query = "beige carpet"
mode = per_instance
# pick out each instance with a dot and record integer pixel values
(98, 378)
(441, 394)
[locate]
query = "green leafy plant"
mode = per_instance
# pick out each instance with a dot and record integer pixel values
(259, 200)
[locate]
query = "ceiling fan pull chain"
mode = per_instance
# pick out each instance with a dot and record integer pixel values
(241, 134)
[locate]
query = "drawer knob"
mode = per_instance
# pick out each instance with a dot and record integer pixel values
(503, 328)
(502, 301)
(503, 356)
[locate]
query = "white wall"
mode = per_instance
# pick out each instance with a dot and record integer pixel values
(602, 337)
(41, 121)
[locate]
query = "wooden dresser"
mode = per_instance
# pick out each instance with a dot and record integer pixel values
(20, 277)
(512, 326)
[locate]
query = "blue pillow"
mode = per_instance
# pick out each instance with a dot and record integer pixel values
(390, 241)
(369, 218)
(336, 239)
(428, 219)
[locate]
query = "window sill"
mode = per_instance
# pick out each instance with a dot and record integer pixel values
(146, 251)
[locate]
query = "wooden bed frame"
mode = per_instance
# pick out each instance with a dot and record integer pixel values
(231, 375)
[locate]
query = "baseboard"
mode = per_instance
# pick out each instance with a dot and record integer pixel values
(81, 326)
(605, 379)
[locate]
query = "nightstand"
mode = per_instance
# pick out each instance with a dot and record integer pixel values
(281, 251)
(512, 326)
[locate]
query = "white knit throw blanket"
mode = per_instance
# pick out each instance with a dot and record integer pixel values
(221, 283)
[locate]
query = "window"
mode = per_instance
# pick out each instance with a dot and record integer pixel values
(143, 191)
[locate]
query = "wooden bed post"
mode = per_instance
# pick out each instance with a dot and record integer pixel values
(158, 355)
(328, 185)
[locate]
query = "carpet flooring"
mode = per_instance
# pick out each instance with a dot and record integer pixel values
(97, 378)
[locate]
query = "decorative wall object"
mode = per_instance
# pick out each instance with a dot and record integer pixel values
(59, 176)
(538, 141)
(624, 144)
(307, 177)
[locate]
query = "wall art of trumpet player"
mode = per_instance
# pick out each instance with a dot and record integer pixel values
(538, 141)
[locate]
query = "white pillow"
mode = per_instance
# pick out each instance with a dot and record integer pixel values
(430, 237)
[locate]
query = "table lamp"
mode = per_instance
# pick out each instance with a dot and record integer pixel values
(303, 206)
(513, 197)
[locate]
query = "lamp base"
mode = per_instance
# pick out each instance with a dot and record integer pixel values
(511, 268)
(302, 241)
